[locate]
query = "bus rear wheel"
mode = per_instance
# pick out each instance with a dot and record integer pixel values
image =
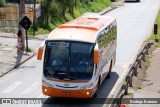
(110, 69)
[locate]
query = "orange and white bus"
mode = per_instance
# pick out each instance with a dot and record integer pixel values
(78, 56)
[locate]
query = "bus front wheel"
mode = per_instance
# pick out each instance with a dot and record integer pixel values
(98, 87)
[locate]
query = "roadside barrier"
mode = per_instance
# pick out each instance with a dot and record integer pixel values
(123, 90)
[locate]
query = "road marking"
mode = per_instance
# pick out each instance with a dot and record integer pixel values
(12, 87)
(6, 77)
(31, 88)
(42, 96)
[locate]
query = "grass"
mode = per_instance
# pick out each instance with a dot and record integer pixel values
(147, 62)
(130, 94)
(138, 86)
(95, 6)
(29, 49)
(143, 78)
(152, 37)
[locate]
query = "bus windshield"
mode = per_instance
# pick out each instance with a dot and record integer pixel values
(68, 60)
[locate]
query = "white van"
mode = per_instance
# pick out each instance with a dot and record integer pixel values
(132, 0)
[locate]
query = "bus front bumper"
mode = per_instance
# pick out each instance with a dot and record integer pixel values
(55, 92)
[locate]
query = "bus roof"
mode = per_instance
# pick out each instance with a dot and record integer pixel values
(83, 28)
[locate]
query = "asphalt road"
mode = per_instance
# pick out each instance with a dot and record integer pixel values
(135, 22)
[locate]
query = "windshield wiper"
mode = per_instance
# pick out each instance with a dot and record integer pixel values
(61, 75)
(69, 78)
(65, 76)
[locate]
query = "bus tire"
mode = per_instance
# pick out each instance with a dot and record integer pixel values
(95, 95)
(110, 69)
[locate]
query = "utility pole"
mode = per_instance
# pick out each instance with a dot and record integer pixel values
(21, 15)
(34, 17)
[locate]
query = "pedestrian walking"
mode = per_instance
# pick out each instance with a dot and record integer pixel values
(19, 40)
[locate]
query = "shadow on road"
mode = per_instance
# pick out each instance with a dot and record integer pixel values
(19, 58)
(104, 91)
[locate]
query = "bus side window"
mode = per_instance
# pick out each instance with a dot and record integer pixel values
(112, 32)
(113, 35)
(100, 45)
(109, 34)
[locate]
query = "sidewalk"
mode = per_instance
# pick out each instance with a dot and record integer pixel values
(11, 59)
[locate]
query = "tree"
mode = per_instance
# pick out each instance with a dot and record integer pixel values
(2, 2)
(56, 9)
(45, 11)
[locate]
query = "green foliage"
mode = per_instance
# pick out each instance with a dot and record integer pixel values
(29, 49)
(143, 78)
(2, 2)
(147, 62)
(57, 12)
(152, 37)
(138, 86)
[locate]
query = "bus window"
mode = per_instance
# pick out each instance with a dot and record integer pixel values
(104, 39)
(69, 60)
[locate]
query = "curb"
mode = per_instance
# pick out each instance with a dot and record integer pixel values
(109, 9)
(18, 65)
(16, 38)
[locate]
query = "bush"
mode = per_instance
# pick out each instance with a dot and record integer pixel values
(113, 0)
(2, 2)
(57, 12)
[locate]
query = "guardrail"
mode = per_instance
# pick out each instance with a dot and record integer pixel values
(123, 90)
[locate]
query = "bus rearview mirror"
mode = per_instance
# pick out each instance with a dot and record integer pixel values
(40, 53)
(96, 57)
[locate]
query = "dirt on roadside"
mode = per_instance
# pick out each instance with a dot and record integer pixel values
(147, 82)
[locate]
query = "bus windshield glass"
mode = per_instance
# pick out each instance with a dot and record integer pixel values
(68, 60)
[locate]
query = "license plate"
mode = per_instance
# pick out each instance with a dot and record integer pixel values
(66, 93)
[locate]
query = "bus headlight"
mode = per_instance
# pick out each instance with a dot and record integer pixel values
(89, 86)
(46, 84)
